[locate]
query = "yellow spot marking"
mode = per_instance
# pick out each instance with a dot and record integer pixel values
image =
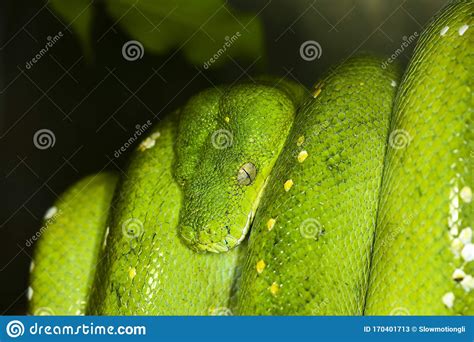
(317, 89)
(274, 288)
(316, 93)
(132, 272)
(300, 141)
(260, 266)
(302, 156)
(227, 119)
(361, 83)
(288, 184)
(270, 224)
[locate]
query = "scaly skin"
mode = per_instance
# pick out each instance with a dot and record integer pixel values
(323, 186)
(309, 248)
(146, 269)
(220, 131)
(425, 201)
(68, 251)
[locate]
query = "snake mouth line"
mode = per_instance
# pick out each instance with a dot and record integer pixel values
(230, 241)
(251, 216)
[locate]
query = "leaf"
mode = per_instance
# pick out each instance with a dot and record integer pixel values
(202, 29)
(78, 14)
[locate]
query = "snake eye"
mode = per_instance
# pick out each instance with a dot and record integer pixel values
(246, 174)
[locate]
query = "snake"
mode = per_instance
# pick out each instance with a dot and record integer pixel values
(265, 198)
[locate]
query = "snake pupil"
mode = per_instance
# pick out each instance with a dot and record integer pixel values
(246, 174)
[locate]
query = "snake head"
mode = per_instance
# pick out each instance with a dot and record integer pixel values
(228, 141)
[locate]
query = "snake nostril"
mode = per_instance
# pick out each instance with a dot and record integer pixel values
(246, 174)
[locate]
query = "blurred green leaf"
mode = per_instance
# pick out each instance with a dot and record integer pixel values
(200, 29)
(78, 14)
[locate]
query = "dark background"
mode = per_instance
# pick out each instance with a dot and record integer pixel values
(93, 106)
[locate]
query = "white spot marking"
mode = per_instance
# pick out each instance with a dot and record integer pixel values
(444, 30)
(456, 245)
(458, 274)
(50, 213)
(468, 283)
(29, 294)
(147, 143)
(448, 299)
(32, 266)
(466, 194)
(463, 29)
(466, 235)
(468, 252)
(393, 83)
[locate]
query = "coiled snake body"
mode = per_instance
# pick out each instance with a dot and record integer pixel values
(356, 200)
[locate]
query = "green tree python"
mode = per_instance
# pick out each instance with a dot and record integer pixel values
(258, 199)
